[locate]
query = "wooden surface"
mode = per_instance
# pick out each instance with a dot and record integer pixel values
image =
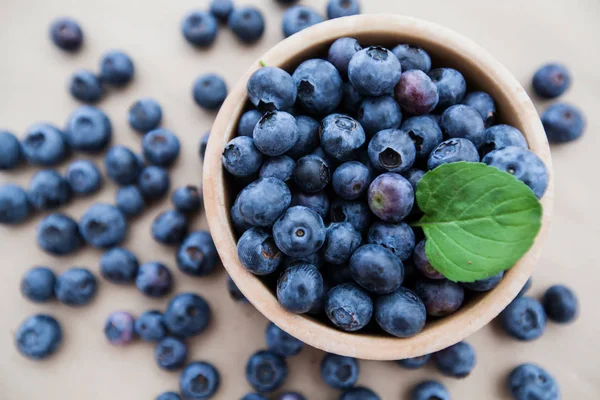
(32, 81)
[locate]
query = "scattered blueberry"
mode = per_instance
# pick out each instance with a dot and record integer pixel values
(563, 123)
(66, 34)
(451, 86)
(122, 165)
(414, 362)
(197, 255)
(154, 182)
(300, 288)
(416, 93)
(484, 285)
(118, 328)
(103, 226)
(400, 313)
(58, 234)
(272, 88)
(75, 287)
(83, 177)
(356, 213)
(154, 279)
(14, 205)
(529, 381)
(291, 396)
(551, 80)
(275, 133)
(428, 390)
(86, 86)
(412, 57)
(319, 85)
(375, 58)
(349, 307)
(48, 190)
(88, 130)
(119, 265)
(241, 157)
(376, 269)
(160, 147)
(209, 91)
(281, 342)
(116, 68)
(253, 396)
(44, 144)
(456, 361)
(247, 24)
(524, 319)
(281, 167)
(263, 201)
(248, 121)
(341, 136)
(453, 150)
(145, 115)
(235, 293)
(168, 396)
(203, 145)
(266, 371)
(258, 253)
(339, 372)
(441, 297)
(378, 113)
(560, 304)
(500, 136)
(484, 104)
(399, 238)
(199, 28)
(221, 9)
(170, 353)
(342, 240)
(10, 151)
(150, 326)
(298, 18)
(38, 337)
(199, 380)
(392, 150)
(341, 52)
(342, 8)
(187, 314)
(187, 199)
(38, 284)
(130, 201)
(359, 393)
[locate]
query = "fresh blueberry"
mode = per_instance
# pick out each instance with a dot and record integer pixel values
(187, 199)
(209, 91)
(85, 86)
(560, 304)
(362, 67)
(38, 337)
(359, 393)
(266, 371)
(241, 157)
(428, 390)
(145, 115)
(412, 57)
(452, 150)
(484, 285)
(83, 177)
(150, 326)
(14, 205)
(187, 314)
(341, 52)
(130, 201)
(160, 147)
(272, 88)
(44, 144)
(414, 362)
(351, 180)
(119, 265)
(376, 269)
(441, 297)
(460, 121)
(456, 361)
(400, 313)
(58, 234)
(197, 255)
(339, 372)
(291, 396)
(118, 328)
(563, 123)
(311, 174)
(199, 28)
(398, 238)
(356, 213)
(341, 136)
(524, 319)
(352, 99)
(300, 288)
(281, 167)
(349, 307)
(551, 80)
(422, 262)
(169, 227)
(170, 353)
(525, 287)
(425, 133)
(253, 396)
(298, 18)
(263, 201)
(122, 165)
(378, 113)
(235, 293)
(275, 133)
(391, 197)
(525, 165)
(281, 342)
(320, 86)
(38, 284)
(168, 396)
(416, 93)
(308, 137)
(203, 145)
(10, 151)
(154, 279)
(199, 380)
(221, 9)
(392, 150)
(247, 24)
(103, 226)
(299, 232)
(414, 176)
(75, 287)
(88, 130)
(484, 104)
(48, 190)
(342, 8)
(247, 122)
(154, 182)
(500, 136)
(66, 34)
(451, 86)
(342, 241)
(116, 68)
(318, 202)
(530, 381)
(258, 253)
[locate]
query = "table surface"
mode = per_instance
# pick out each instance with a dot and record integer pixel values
(33, 76)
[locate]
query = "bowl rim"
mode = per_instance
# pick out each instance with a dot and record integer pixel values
(439, 334)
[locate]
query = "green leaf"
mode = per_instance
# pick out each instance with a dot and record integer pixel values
(478, 220)
(262, 63)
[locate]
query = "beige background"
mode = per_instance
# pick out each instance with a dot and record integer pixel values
(33, 76)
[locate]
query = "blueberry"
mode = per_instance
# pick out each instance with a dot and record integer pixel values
(298, 18)
(451, 86)
(122, 165)
(414, 176)
(342, 8)
(150, 326)
(203, 145)
(416, 93)
(197, 255)
(221, 9)
(392, 150)
(14, 205)
(66, 34)
(551, 80)
(154, 279)
(38, 284)
(352, 99)
(168, 396)
(398, 238)
(563, 123)
(412, 57)
(560, 304)
(44, 144)
(441, 297)
(460, 121)
(500, 136)
(58, 234)
(83, 177)
(272, 88)
(376, 269)
(235, 293)
(187, 314)
(170, 353)
(130, 201)
(116, 68)
(453, 150)
(374, 71)
(145, 115)
(169, 227)
(356, 213)
(299, 232)
(281, 167)
(341, 136)
(247, 24)
(300, 288)
(525, 165)
(254, 396)
(320, 86)
(425, 133)
(119, 265)
(266, 371)
(311, 174)
(308, 137)
(48, 190)
(341, 52)
(263, 201)
(241, 157)
(351, 180)
(318, 202)
(103, 226)
(349, 307)
(187, 199)
(118, 328)
(525, 287)
(530, 381)
(281, 342)
(524, 319)
(160, 147)
(247, 122)
(456, 361)
(275, 133)
(38, 337)
(88, 130)
(339, 372)
(10, 151)
(391, 197)
(154, 182)
(414, 362)
(75, 287)
(209, 91)
(359, 393)
(484, 285)
(378, 113)
(428, 390)
(199, 28)
(258, 253)
(199, 380)
(291, 396)
(400, 313)
(342, 241)
(86, 86)
(484, 104)
(422, 262)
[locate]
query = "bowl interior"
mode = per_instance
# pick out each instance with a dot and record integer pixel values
(447, 49)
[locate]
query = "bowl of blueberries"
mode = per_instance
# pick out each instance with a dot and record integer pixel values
(332, 165)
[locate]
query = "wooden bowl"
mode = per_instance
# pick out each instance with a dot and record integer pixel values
(448, 49)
